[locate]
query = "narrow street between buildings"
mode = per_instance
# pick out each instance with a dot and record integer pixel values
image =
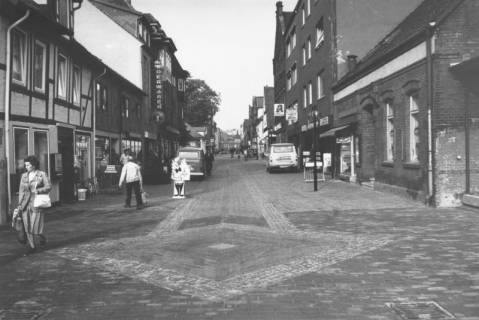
(246, 244)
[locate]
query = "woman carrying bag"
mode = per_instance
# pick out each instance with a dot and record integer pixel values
(32, 199)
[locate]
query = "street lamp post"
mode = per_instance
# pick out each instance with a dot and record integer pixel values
(315, 173)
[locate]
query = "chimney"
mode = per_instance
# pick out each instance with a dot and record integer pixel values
(279, 8)
(352, 62)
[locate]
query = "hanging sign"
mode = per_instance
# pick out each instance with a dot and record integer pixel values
(279, 110)
(292, 113)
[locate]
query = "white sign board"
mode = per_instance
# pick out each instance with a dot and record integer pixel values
(292, 113)
(279, 109)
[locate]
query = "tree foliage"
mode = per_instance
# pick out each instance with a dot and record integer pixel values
(201, 101)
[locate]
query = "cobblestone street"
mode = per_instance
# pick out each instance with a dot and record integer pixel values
(246, 244)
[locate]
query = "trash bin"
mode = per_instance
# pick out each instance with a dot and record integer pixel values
(82, 194)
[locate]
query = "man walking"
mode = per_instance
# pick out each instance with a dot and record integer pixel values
(132, 175)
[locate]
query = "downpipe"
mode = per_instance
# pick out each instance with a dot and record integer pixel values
(430, 107)
(95, 93)
(7, 103)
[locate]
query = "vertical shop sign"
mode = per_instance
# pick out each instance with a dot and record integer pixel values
(159, 84)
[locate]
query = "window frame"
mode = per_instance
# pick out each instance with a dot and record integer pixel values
(309, 49)
(390, 127)
(294, 75)
(310, 93)
(320, 86)
(305, 58)
(305, 97)
(77, 67)
(413, 141)
(45, 131)
(319, 31)
(126, 107)
(23, 57)
(65, 97)
(44, 66)
(303, 15)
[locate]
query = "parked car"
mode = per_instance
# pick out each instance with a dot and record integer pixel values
(282, 156)
(195, 157)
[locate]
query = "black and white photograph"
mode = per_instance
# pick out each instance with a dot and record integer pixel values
(239, 159)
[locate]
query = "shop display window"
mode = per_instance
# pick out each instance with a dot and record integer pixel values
(81, 164)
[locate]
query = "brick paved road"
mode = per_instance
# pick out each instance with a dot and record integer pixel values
(246, 244)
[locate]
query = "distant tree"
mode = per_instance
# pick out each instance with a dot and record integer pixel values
(201, 101)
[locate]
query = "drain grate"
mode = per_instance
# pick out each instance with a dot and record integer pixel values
(428, 310)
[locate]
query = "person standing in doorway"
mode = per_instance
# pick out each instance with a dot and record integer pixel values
(131, 174)
(33, 182)
(124, 156)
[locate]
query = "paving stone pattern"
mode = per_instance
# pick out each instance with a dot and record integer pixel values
(342, 253)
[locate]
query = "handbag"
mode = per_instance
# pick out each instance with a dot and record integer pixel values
(144, 197)
(17, 224)
(42, 200)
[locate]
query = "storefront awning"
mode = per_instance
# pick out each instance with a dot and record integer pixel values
(332, 132)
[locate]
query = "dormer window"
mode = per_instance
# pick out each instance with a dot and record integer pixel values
(143, 33)
(64, 12)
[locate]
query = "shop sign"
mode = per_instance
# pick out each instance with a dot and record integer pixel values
(304, 128)
(159, 83)
(343, 140)
(292, 113)
(279, 109)
(324, 121)
(278, 127)
(110, 169)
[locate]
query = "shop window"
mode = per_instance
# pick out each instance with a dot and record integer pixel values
(62, 77)
(20, 140)
(81, 164)
(40, 148)
(76, 85)
(19, 57)
(39, 66)
(389, 132)
(345, 156)
(413, 129)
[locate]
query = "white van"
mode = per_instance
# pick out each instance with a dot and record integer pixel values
(282, 156)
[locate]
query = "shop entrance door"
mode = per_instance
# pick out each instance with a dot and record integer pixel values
(65, 148)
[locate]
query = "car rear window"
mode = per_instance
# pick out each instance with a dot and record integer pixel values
(189, 154)
(283, 149)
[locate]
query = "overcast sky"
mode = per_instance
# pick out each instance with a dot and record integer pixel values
(227, 43)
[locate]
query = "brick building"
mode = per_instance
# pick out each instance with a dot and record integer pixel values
(311, 49)
(405, 109)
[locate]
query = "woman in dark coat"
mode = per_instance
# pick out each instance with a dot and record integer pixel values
(33, 182)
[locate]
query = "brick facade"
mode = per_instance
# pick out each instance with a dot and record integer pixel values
(456, 38)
